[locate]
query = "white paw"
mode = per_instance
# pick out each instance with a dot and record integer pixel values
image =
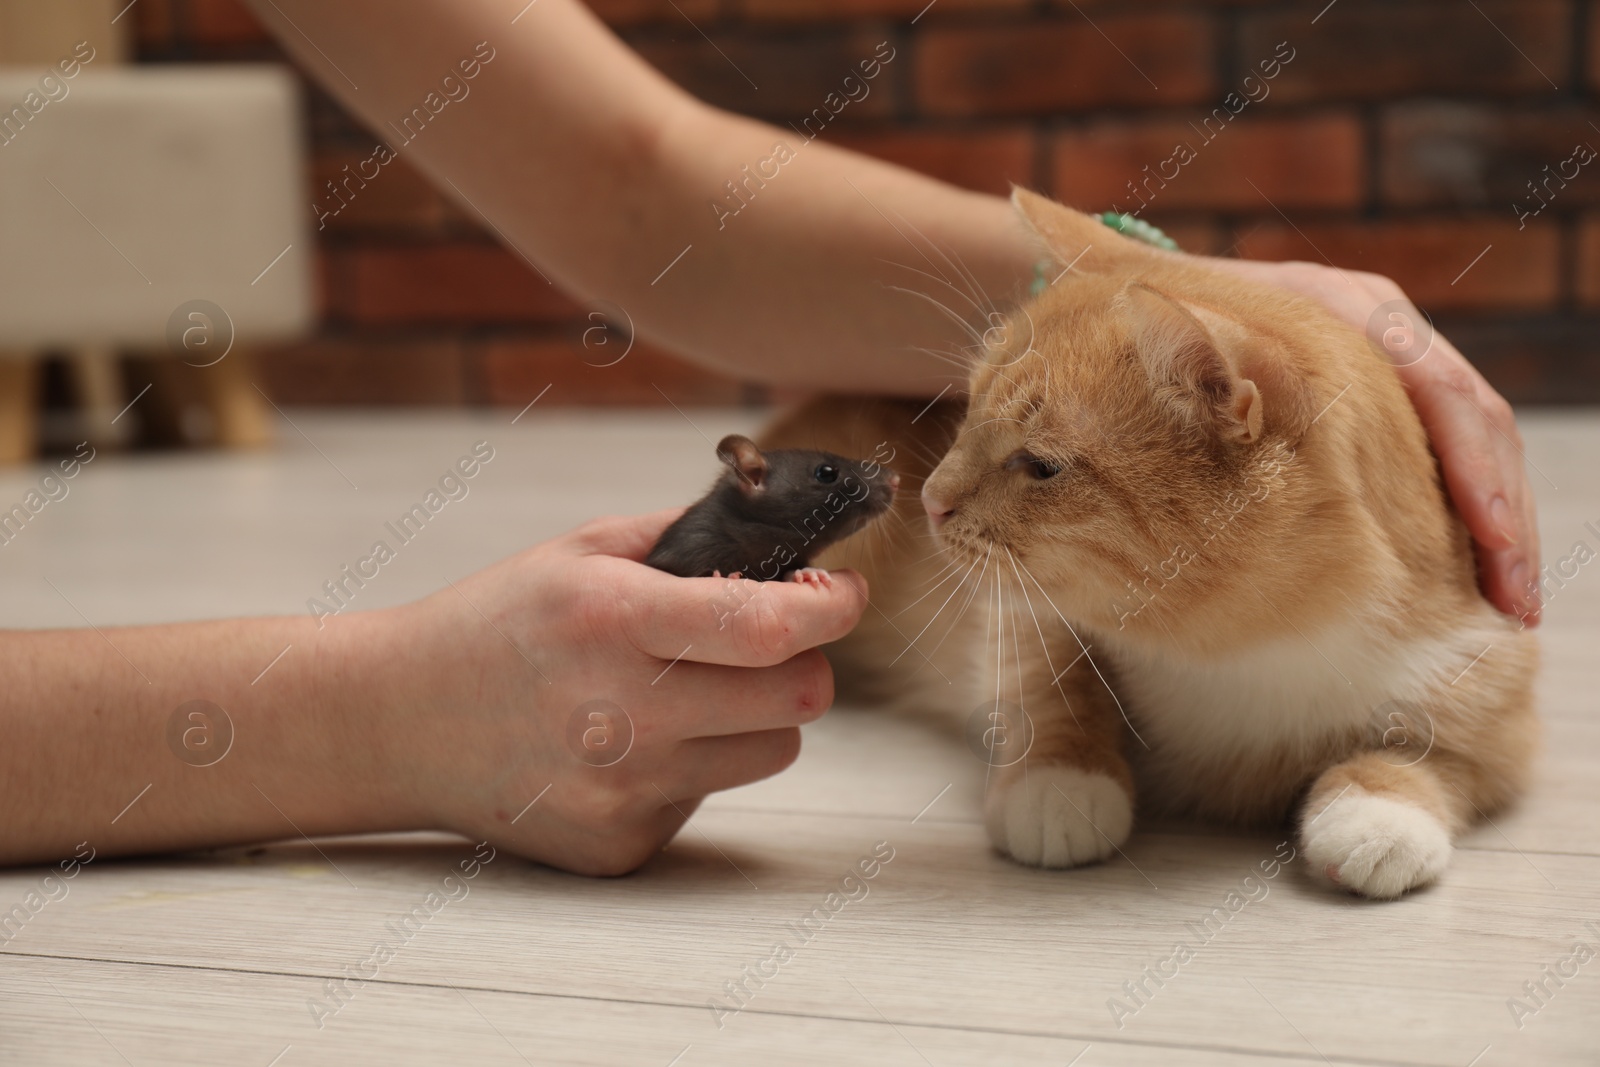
(812, 576)
(1059, 817)
(1375, 845)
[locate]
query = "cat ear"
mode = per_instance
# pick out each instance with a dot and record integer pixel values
(1071, 237)
(1178, 351)
(741, 453)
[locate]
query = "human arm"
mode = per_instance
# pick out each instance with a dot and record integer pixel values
(453, 713)
(603, 172)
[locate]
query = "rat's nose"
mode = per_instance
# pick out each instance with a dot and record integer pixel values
(894, 480)
(937, 509)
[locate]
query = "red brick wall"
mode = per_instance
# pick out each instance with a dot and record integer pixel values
(1396, 137)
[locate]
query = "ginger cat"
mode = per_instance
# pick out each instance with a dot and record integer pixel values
(1209, 507)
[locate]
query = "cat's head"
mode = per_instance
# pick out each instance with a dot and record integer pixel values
(1136, 435)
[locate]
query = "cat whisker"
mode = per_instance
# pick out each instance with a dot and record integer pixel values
(971, 567)
(973, 286)
(1055, 677)
(1092, 664)
(947, 284)
(950, 313)
(963, 366)
(957, 267)
(943, 577)
(967, 604)
(1016, 652)
(999, 418)
(997, 621)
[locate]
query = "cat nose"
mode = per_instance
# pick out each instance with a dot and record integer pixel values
(937, 509)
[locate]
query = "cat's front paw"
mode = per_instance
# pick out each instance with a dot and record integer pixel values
(1375, 845)
(1052, 816)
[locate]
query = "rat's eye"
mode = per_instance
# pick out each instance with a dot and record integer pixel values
(826, 473)
(1041, 469)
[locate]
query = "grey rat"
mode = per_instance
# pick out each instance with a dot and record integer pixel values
(770, 512)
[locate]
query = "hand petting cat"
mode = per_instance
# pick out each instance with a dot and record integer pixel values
(1471, 427)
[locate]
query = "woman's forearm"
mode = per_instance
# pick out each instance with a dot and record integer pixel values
(607, 176)
(113, 737)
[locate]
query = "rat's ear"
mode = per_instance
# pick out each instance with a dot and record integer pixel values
(741, 453)
(1196, 369)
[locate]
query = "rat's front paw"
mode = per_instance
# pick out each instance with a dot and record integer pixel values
(1377, 846)
(812, 576)
(1053, 816)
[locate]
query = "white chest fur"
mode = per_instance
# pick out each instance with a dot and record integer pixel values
(1263, 720)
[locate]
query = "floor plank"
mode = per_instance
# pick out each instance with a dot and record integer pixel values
(952, 956)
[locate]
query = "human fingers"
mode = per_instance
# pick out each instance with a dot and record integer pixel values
(1474, 434)
(600, 838)
(626, 536)
(1470, 426)
(735, 621)
(710, 700)
(703, 765)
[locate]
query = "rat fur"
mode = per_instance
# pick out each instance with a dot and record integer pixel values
(770, 512)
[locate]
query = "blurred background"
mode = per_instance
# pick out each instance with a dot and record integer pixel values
(1440, 142)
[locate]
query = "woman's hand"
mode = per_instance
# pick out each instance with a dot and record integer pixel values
(579, 705)
(1471, 426)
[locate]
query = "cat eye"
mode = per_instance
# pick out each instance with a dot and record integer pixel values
(1040, 469)
(826, 473)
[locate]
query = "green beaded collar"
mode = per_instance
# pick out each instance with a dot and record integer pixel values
(1128, 226)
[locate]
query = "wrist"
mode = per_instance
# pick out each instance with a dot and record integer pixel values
(375, 701)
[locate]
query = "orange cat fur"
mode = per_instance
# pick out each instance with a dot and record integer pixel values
(1224, 494)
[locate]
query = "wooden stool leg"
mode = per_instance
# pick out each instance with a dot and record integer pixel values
(243, 417)
(97, 383)
(19, 402)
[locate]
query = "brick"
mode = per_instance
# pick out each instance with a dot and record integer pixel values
(366, 370)
(1377, 50)
(154, 26)
(223, 22)
(1099, 5)
(398, 198)
(1592, 59)
(1066, 64)
(852, 10)
(1472, 155)
(1532, 360)
(327, 120)
(986, 160)
(454, 282)
(514, 370)
(1313, 161)
(1586, 281)
(643, 12)
(781, 77)
(1201, 236)
(1426, 256)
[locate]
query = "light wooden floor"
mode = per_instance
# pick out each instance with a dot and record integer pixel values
(954, 956)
